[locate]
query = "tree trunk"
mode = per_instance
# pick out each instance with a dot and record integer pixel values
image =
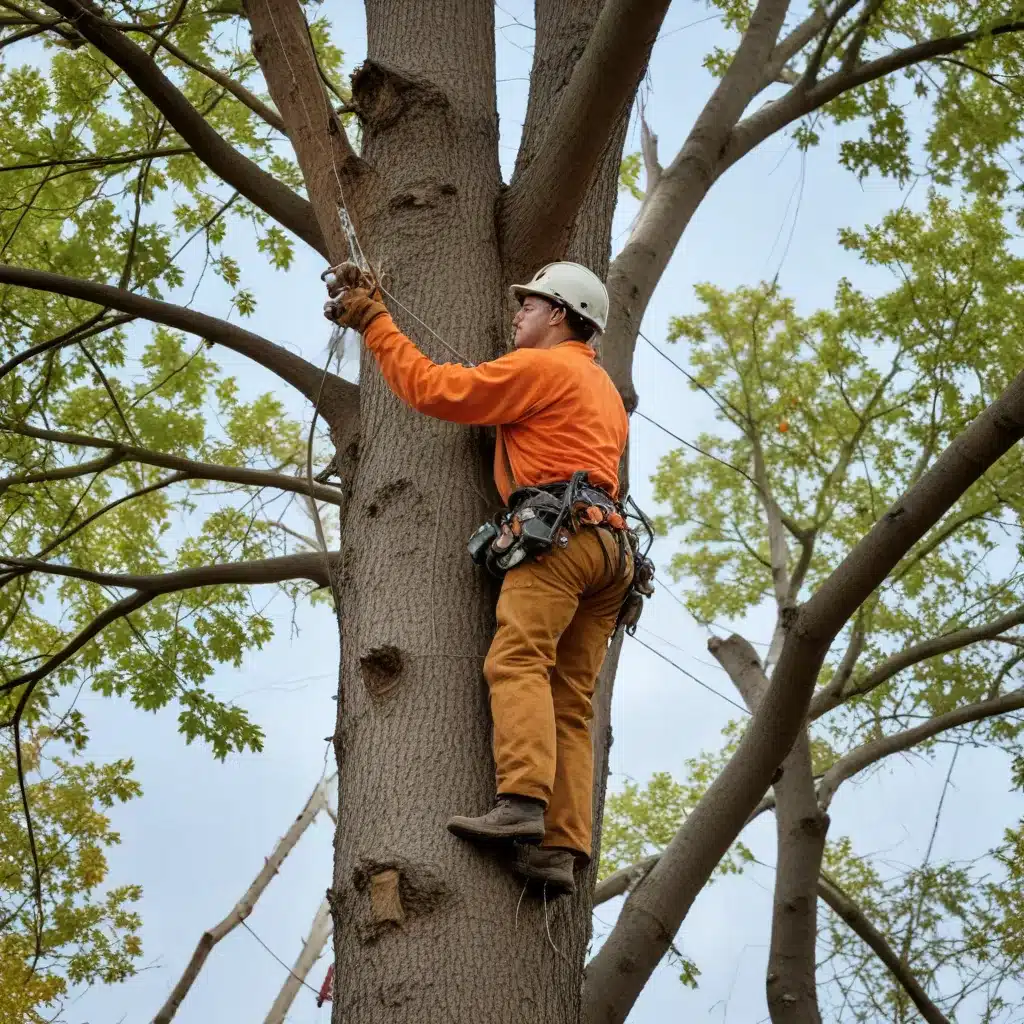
(427, 927)
(801, 829)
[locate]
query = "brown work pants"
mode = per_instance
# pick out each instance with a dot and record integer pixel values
(555, 617)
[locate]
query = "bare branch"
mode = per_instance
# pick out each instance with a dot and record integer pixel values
(743, 666)
(243, 908)
(262, 189)
(825, 700)
(858, 922)
(539, 208)
(870, 753)
(191, 469)
(654, 912)
(649, 149)
(319, 933)
(338, 395)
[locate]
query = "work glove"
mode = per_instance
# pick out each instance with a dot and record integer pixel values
(355, 298)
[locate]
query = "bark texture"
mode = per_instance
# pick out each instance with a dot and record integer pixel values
(801, 828)
(425, 926)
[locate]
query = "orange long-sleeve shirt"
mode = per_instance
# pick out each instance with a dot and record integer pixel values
(556, 410)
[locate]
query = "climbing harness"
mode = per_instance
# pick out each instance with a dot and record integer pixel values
(532, 524)
(540, 518)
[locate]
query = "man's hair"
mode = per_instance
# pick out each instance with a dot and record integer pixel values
(582, 330)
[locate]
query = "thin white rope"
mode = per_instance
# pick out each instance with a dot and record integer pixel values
(347, 224)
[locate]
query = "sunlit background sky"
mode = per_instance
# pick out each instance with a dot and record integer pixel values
(202, 830)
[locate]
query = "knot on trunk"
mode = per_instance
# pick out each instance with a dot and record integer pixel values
(384, 497)
(398, 891)
(381, 95)
(380, 668)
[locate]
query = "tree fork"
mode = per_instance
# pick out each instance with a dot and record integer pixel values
(654, 913)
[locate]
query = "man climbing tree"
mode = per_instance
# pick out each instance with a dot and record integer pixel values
(561, 549)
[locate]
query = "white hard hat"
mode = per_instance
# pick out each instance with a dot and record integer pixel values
(570, 285)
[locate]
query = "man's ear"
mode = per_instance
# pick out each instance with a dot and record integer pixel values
(558, 315)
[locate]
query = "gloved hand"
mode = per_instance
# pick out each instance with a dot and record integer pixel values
(355, 308)
(355, 297)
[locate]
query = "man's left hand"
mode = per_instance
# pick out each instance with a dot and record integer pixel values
(355, 297)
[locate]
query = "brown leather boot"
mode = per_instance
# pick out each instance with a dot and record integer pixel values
(512, 818)
(552, 869)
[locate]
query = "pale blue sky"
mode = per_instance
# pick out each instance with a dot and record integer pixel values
(201, 831)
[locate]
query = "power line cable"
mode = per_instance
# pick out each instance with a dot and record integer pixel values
(690, 675)
(301, 981)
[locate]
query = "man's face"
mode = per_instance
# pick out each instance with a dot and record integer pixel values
(532, 325)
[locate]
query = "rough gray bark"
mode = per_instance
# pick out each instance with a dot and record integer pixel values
(801, 829)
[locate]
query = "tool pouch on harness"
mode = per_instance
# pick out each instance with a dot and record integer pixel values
(529, 528)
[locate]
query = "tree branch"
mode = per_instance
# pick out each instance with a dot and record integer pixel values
(743, 666)
(95, 162)
(191, 469)
(801, 827)
(262, 189)
(339, 397)
(282, 44)
(266, 570)
(858, 923)
(538, 209)
(668, 208)
(799, 101)
(319, 933)
(810, 75)
(870, 753)
(654, 912)
(239, 91)
(789, 47)
(624, 879)
(827, 699)
(63, 472)
(243, 908)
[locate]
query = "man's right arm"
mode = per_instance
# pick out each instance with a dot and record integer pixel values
(503, 390)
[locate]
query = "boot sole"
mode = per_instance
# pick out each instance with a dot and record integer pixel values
(529, 834)
(555, 886)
